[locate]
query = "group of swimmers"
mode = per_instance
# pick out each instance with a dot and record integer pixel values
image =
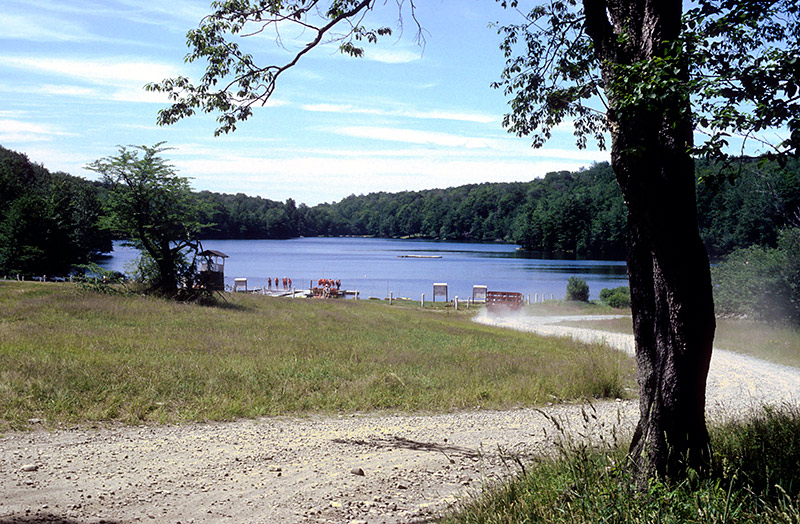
(287, 283)
(329, 283)
(327, 286)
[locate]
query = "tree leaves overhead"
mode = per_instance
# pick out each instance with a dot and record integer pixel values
(744, 75)
(552, 75)
(233, 81)
(745, 64)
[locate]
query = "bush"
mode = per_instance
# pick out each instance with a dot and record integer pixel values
(577, 289)
(618, 297)
(761, 282)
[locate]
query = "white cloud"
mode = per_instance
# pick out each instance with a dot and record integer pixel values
(413, 136)
(408, 113)
(41, 28)
(135, 93)
(464, 145)
(66, 90)
(138, 11)
(16, 131)
(314, 177)
(12, 113)
(110, 71)
(391, 56)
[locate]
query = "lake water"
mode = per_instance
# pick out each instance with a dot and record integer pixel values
(374, 267)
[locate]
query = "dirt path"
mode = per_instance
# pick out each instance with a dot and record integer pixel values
(347, 469)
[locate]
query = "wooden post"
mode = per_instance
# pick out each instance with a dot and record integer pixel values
(391, 295)
(455, 302)
(423, 300)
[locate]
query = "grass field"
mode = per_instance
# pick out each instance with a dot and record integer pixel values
(773, 342)
(70, 356)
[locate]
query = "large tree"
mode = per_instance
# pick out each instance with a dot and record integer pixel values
(154, 210)
(642, 71)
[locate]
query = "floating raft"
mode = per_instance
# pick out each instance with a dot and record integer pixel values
(419, 256)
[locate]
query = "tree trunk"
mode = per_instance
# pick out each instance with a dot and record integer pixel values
(673, 311)
(670, 280)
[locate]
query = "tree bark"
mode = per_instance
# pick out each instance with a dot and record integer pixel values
(668, 268)
(672, 305)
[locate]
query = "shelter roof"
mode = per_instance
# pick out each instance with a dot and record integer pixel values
(213, 252)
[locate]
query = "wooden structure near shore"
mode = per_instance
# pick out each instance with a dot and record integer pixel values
(504, 299)
(212, 270)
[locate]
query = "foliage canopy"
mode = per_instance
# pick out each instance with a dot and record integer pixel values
(742, 58)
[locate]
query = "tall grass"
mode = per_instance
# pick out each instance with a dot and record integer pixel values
(753, 478)
(70, 356)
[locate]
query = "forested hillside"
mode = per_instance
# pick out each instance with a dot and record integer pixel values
(50, 221)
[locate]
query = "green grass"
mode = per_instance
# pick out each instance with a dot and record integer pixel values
(774, 342)
(753, 478)
(68, 356)
(572, 307)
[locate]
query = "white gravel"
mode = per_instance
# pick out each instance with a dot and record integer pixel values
(301, 470)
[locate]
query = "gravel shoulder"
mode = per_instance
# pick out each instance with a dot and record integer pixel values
(362, 468)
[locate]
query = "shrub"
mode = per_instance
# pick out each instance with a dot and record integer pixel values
(577, 289)
(618, 297)
(761, 282)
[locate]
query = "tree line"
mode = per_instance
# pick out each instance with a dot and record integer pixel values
(51, 222)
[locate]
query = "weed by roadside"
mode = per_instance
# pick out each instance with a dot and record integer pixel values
(753, 478)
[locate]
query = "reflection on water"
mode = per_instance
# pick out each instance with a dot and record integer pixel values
(374, 266)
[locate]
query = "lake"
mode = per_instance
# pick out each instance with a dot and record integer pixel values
(373, 266)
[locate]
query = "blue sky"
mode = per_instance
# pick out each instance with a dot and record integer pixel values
(401, 118)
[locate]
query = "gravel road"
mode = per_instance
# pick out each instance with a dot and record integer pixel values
(361, 468)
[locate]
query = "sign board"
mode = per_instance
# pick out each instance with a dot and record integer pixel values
(479, 293)
(440, 290)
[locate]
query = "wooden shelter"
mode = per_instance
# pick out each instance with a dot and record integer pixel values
(212, 270)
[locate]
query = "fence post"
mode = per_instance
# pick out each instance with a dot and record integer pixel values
(391, 295)
(455, 302)
(423, 300)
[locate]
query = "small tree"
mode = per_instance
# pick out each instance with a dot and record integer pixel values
(155, 211)
(577, 289)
